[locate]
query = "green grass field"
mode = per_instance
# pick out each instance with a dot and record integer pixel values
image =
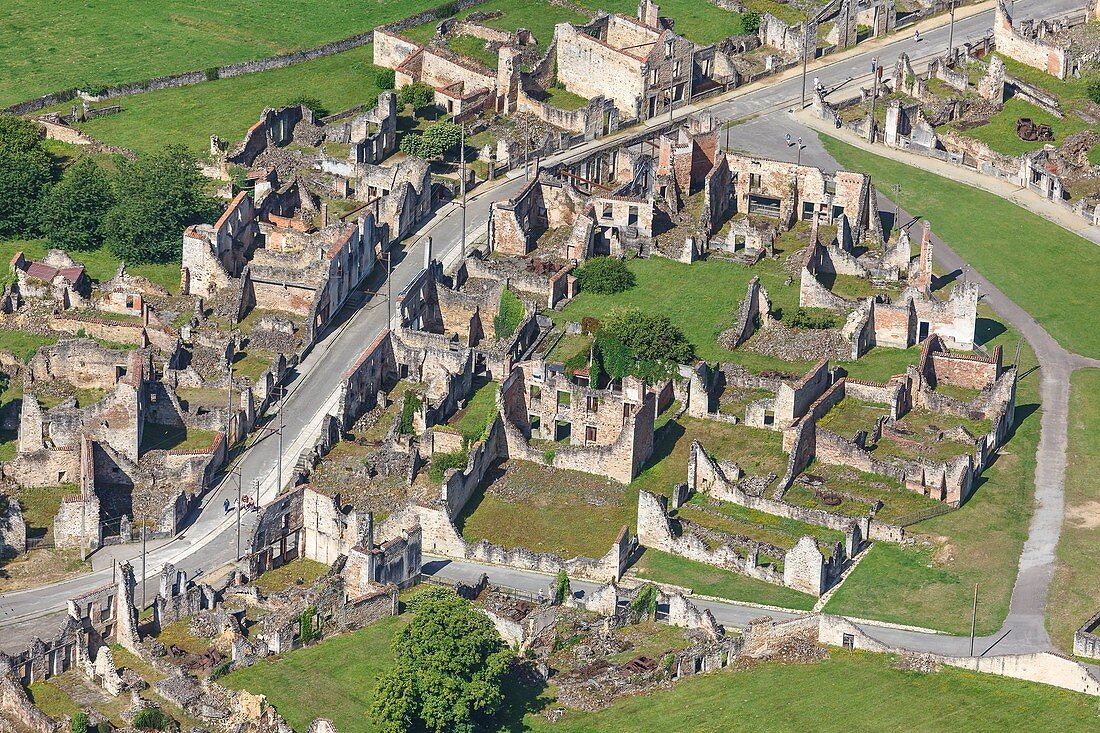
(847, 692)
(100, 264)
(1075, 594)
(701, 22)
(114, 41)
(1000, 133)
(334, 679)
(980, 543)
(1049, 272)
(480, 408)
(537, 16)
(228, 107)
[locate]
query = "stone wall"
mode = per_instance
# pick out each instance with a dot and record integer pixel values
(1086, 643)
(13, 531)
(1032, 52)
(16, 709)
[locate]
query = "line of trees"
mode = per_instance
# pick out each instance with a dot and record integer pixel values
(136, 208)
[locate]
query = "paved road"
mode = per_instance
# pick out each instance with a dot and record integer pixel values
(211, 538)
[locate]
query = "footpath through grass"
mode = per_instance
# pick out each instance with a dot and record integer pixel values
(932, 584)
(113, 41)
(1075, 592)
(1048, 271)
(850, 691)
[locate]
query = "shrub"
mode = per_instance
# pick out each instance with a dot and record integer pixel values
(221, 670)
(307, 630)
(446, 10)
(650, 337)
(425, 594)
(548, 456)
(750, 21)
(385, 79)
(80, 723)
(561, 587)
(212, 73)
(508, 316)
(409, 408)
(590, 325)
(812, 318)
(434, 142)
(443, 462)
(151, 719)
(418, 94)
(606, 275)
(93, 90)
(644, 605)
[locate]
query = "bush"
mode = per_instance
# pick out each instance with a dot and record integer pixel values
(385, 79)
(813, 318)
(750, 22)
(443, 462)
(509, 316)
(80, 723)
(221, 670)
(418, 94)
(606, 275)
(433, 142)
(212, 73)
(151, 719)
(548, 456)
(307, 630)
(446, 10)
(644, 605)
(590, 325)
(409, 408)
(561, 587)
(650, 337)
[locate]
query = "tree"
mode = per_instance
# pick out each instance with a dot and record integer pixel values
(311, 103)
(26, 170)
(606, 275)
(385, 79)
(561, 587)
(418, 94)
(750, 22)
(448, 670)
(650, 337)
(434, 142)
(72, 213)
(156, 197)
(79, 723)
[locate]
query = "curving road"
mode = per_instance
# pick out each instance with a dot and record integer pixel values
(210, 538)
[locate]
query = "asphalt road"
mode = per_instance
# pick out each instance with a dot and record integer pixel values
(210, 539)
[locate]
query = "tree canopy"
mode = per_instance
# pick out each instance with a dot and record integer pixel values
(157, 196)
(27, 171)
(73, 210)
(433, 142)
(645, 345)
(418, 94)
(449, 666)
(606, 275)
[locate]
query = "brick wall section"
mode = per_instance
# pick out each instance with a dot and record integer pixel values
(1039, 55)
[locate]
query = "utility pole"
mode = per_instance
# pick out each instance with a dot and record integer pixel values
(896, 188)
(805, 58)
(729, 123)
(237, 471)
(279, 460)
(526, 146)
(800, 146)
(951, 31)
(389, 293)
(142, 562)
(462, 153)
(874, 100)
(973, 618)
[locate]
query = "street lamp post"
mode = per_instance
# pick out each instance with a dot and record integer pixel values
(462, 184)
(896, 188)
(799, 154)
(874, 100)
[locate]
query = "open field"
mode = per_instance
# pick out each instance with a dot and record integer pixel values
(932, 584)
(1000, 132)
(228, 107)
(701, 22)
(115, 41)
(1046, 270)
(296, 572)
(850, 691)
(537, 16)
(334, 679)
(1075, 594)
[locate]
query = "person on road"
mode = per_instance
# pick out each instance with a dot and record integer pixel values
(226, 505)
(916, 35)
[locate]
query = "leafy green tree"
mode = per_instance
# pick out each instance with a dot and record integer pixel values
(26, 173)
(72, 212)
(607, 275)
(615, 358)
(561, 587)
(750, 22)
(650, 337)
(310, 103)
(156, 197)
(385, 79)
(418, 94)
(433, 142)
(449, 666)
(79, 723)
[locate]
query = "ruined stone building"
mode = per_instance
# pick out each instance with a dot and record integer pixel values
(643, 66)
(57, 277)
(1044, 44)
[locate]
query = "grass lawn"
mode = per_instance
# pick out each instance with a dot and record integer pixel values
(701, 22)
(179, 634)
(277, 580)
(708, 580)
(52, 700)
(480, 409)
(537, 16)
(1075, 594)
(40, 505)
(23, 344)
(114, 41)
(564, 99)
(1000, 133)
(168, 437)
(760, 526)
(473, 48)
(333, 679)
(251, 363)
(228, 107)
(1058, 283)
(850, 691)
(100, 264)
(932, 584)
